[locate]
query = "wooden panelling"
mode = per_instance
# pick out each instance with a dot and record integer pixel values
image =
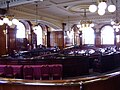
(2, 41)
(35, 87)
(56, 38)
(108, 84)
(11, 39)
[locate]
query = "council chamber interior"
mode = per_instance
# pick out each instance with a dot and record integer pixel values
(59, 45)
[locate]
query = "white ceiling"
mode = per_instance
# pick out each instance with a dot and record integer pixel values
(57, 11)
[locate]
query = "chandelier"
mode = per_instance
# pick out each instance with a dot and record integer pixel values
(101, 8)
(36, 12)
(85, 22)
(8, 19)
(116, 23)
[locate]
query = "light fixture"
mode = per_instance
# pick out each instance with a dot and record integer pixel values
(92, 8)
(8, 19)
(85, 22)
(68, 28)
(101, 12)
(36, 13)
(102, 5)
(36, 23)
(116, 23)
(111, 8)
(101, 8)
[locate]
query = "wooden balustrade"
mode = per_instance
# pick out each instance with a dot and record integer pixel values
(103, 82)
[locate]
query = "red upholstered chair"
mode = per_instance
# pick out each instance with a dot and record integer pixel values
(17, 70)
(45, 72)
(37, 71)
(8, 72)
(56, 71)
(27, 72)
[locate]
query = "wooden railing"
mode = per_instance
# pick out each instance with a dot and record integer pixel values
(109, 81)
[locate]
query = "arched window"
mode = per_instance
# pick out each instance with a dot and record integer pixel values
(38, 32)
(88, 35)
(107, 35)
(20, 30)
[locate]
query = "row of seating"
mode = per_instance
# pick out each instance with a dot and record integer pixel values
(37, 72)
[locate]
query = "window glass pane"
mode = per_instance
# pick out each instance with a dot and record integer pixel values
(88, 35)
(38, 32)
(20, 30)
(107, 35)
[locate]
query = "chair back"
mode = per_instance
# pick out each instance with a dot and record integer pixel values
(45, 72)
(37, 71)
(18, 71)
(28, 72)
(8, 72)
(56, 71)
(2, 70)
